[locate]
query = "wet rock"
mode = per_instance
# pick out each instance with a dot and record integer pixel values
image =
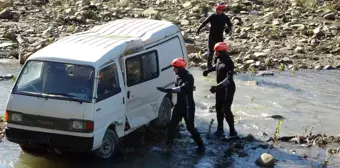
(266, 160)
(248, 62)
(249, 137)
(329, 16)
(328, 67)
(150, 12)
(39, 2)
(318, 67)
(318, 32)
(185, 22)
(195, 57)
(243, 35)
(299, 49)
(211, 108)
(193, 48)
(6, 14)
(276, 22)
(287, 60)
(335, 51)
(263, 146)
(259, 55)
(9, 76)
(265, 73)
(279, 117)
(238, 145)
(187, 4)
(242, 154)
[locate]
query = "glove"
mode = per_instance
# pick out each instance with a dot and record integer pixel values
(213, 89)
(205, 73)
(164, 90)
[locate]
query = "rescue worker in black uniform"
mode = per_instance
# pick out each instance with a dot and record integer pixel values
(218, 23)
(185, 106)
(225, 88)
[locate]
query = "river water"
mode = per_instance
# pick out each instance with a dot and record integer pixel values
(306, 99)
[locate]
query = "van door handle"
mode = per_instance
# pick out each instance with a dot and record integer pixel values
(128, 94)
(98, 109)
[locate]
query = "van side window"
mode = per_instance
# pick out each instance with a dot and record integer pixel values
(108, 83)
(142, 68)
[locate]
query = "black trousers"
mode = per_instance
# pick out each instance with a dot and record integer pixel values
(180, 112)
(224, 100)
(211, 44)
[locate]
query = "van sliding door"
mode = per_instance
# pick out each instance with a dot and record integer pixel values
(141, 73)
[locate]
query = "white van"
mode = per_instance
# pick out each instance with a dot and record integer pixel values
(85, 91)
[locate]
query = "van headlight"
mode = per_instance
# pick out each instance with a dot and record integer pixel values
(16, 117)
(82, 125)
(78, 125)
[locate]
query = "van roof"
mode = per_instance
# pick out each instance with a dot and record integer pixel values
(91, 46)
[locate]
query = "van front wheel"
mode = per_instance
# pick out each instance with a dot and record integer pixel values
(109, 146)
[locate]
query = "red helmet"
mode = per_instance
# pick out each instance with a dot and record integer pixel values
(220, 6)
(221, 46)
(179, 62)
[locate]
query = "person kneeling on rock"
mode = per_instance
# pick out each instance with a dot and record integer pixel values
(225, 89)
(185, 105)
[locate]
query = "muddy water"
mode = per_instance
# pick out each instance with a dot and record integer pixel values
(308, 99)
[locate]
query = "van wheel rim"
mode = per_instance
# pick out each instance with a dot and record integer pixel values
(107, 148)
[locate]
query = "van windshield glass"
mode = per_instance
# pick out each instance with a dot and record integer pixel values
(56, 80)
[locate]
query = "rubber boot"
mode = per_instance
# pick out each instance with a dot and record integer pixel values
(219, 132)
(230, 121)
(198, 140)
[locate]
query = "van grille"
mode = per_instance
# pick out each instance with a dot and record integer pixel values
(42, 121)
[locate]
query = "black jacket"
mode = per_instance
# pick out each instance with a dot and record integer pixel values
(218, 25)
(224, 68)
(184, 87)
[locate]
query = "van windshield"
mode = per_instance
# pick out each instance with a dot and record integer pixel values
(56, 80)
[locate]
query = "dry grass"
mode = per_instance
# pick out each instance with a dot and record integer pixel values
(306, 3)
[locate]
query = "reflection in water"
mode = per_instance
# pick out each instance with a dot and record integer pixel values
(305, 100)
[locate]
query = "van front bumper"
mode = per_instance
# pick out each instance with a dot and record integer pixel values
(48, 140)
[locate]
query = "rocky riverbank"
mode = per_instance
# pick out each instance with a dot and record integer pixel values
(2, 128)
(275, 34)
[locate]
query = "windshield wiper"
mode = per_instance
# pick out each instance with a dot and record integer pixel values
(71, 97)
(40, 93)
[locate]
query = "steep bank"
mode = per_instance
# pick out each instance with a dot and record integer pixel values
(296, 34)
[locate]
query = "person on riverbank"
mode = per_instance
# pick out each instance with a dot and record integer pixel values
(218, 22)
(225, 88)
(185, 105)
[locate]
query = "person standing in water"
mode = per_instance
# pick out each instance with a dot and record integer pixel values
(225, 88)
(185, 105)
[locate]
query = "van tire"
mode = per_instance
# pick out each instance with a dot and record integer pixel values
(109, 146)
(164, 114)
